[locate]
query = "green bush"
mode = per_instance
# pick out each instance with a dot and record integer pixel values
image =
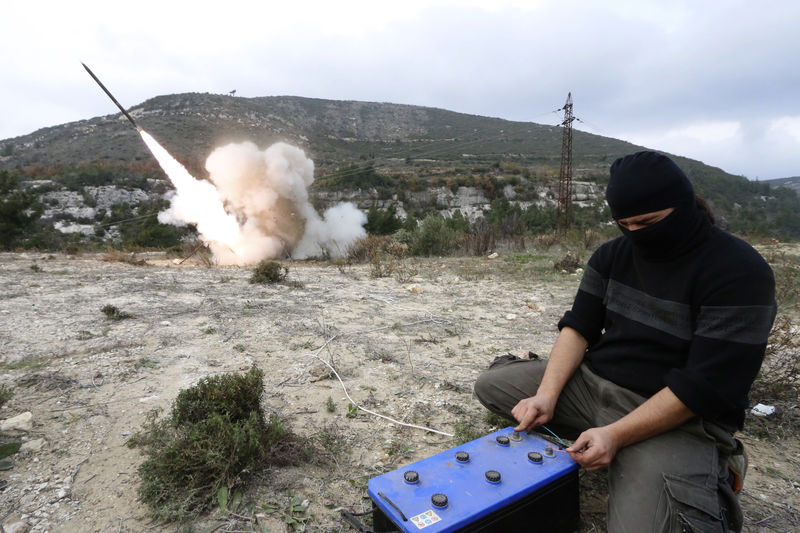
(215, 433)
(458, 222)
(382, 221)
(433, 237)
(142, 228)
(539, 220)
(19, 211)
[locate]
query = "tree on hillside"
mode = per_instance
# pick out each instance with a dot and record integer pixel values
(382, 221)
(19, 210)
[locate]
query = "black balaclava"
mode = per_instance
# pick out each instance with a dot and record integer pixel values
(645, 182)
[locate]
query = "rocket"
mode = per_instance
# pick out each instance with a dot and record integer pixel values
(100, 83)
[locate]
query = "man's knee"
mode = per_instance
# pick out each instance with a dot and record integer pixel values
(508, 380)
(486, 388)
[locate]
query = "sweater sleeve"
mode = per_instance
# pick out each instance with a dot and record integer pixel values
(730, 335)
(588, 310)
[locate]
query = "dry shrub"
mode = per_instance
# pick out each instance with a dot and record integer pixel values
(787, 279)
(269, 272)
(397, 249)
(197, 250)
(385, 255)
(480, 241)
(592, 239)
(569, 263)
(779, 378)
(546, 240)
(382, 266)
(112, 312)
(365, 250)
(405, 270)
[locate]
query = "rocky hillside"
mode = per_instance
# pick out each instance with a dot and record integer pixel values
(792, 183)
(415, 158)
(331, 132)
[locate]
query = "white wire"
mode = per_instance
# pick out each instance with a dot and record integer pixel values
(344, 388)
(373, 412)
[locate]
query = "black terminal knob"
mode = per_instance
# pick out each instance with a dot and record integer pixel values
(493, 476)
(462, 457)
(534, 457)
(410, 476)
(439, 500)
(502, 440)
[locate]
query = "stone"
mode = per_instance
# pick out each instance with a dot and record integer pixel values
(17, 527)
(32, 446)
(22, 422)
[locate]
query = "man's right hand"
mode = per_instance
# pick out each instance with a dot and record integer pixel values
(533, 411)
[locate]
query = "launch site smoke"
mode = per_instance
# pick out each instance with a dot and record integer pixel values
(255, 205)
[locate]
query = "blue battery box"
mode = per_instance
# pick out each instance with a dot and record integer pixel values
(503, 481)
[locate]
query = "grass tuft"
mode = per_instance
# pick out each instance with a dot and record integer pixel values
(5, 394)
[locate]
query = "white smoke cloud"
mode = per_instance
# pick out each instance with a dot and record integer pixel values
(256, 205)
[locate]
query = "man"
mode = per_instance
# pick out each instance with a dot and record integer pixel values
(652, 366)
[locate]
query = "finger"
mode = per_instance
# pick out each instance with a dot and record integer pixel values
(523, 425)
(526, 422)
(581, 460)
(579, 445)
(539, 420)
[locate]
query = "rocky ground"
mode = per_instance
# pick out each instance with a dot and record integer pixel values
(408, 346)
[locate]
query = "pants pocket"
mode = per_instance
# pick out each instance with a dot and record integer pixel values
(690, 508)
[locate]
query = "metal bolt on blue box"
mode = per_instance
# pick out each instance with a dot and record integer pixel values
(504, 481)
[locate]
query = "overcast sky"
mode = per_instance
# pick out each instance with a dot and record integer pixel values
(717, 81)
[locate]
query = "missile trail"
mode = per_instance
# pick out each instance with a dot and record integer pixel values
(100, 83)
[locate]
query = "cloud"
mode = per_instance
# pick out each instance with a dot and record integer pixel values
(633, 67)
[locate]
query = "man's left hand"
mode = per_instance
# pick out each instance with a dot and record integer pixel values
(595, 448)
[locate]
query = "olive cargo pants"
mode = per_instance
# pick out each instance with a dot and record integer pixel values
(674, 482)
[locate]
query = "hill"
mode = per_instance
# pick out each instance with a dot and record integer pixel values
(331, 132)
(792, 183)
(371, 152)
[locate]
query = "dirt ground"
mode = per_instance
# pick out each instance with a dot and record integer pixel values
(408, 346)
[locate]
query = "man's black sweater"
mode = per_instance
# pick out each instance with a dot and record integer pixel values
(696, 322)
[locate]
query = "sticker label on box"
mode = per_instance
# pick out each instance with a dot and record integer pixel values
(428, 518)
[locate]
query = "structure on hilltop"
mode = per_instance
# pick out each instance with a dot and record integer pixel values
(565, 174)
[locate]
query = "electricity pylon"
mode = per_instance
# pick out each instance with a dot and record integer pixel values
(565, 174)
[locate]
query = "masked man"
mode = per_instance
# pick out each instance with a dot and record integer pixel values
(652, 366)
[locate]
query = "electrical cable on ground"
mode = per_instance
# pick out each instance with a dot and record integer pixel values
(344, 388)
